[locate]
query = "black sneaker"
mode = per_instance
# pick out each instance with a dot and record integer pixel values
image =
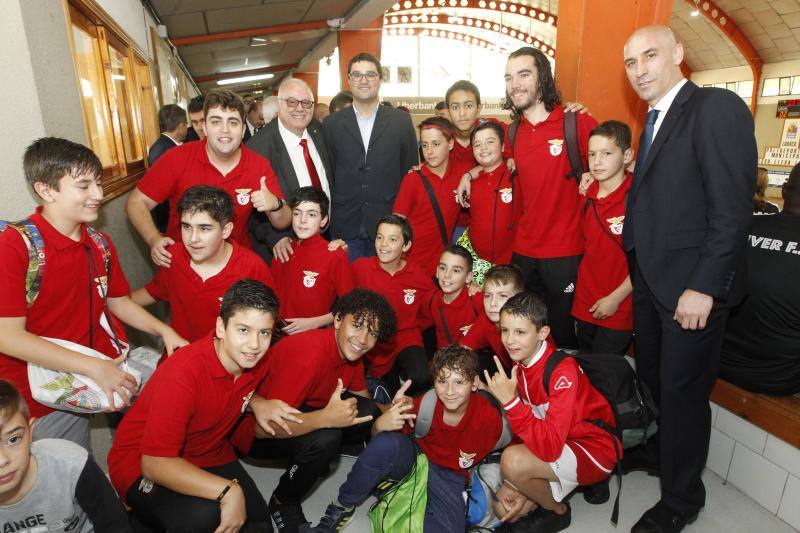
(596, 494)
(336, 517)
(544, 521)
(287, 518)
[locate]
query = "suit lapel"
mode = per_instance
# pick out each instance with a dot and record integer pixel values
(381, 122)
(285, 168)
(351, 125)
(670, 120)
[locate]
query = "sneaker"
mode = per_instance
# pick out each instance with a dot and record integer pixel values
(336, 517)
(287, 518)
(596, 494)
(544, 521)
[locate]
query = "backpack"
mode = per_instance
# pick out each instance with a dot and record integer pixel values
(633, 406)
(36, 267)
(570, 137)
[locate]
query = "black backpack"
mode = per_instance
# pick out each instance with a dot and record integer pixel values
(633, 406)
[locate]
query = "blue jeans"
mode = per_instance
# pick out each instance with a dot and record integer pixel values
(392, 455)
(361, 246)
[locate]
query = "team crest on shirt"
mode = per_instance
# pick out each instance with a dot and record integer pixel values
(310, 278)
(243, 196)
(562, 383)
(102, 286)
(615, 224)
(465, 460)
(464, 330)
(246, 400)
(556, 145)
(506, 195)
(409, 296)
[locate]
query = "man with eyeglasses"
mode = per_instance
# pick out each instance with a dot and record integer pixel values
(371, 147)
(294, 146)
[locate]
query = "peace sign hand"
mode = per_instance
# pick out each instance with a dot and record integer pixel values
(500, 385)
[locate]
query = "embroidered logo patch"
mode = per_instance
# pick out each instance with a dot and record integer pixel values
(409, 296)
(243, 196)
(310, 278)
(569, 288)
(562, 383)
(246, 400)
(102, 286)
(464, 330)
(556, 145)
(506, 195)
(465, 460)
(615, 224)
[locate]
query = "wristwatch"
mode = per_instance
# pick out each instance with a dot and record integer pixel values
(279, 207)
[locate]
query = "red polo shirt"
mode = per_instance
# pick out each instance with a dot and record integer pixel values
(186, 410)
(604, 265)
(194, 303)
(485, 333)
(550, 223)
(413, 203)
(459, 316)
(304, 369)
(310, 281)
(407, 291)
(496, 205)
(464, 445)
(69, 301)
(187, 165)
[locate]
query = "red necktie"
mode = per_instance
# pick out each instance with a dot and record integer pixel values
(312, 170)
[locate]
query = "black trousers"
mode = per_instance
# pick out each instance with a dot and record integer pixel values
(310, 454)
(597, 339)
(161, 509)
(411, 363)
(554, 280)
(679, 366)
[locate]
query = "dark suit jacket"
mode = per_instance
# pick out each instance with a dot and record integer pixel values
(366, 179)
(268, 143)
(163, 144)
(247, 134)
(161, 211)
(691, 201)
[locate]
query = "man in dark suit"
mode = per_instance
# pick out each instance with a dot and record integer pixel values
(197, 118)
(685, 230)
(285, 142)
(174, 127)
(254, 119)
(372, 147)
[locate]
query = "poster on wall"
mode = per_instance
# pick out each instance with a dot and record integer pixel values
(788, 109)
(791, 133)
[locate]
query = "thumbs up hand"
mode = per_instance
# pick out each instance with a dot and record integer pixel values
(263, 199)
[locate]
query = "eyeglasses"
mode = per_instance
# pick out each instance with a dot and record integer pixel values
(292, 102)
(356, 76)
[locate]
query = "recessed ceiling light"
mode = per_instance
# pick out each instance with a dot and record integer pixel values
(245, 79)
(695, 13)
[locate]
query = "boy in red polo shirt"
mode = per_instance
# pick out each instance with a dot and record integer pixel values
(408, 290)
(172, 460)
(441, 172)
(464, 429)
(452, 309)
(560, 448)
(74, 288)
(500, 283)
(602, 306)
(314, 275)
(494, 203)
(309, 371)
(220, 160)
(204, 265)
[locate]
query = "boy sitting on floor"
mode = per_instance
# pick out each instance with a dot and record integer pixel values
(560, 448)
(173, 460)
(465, 428)
(52, 484)
(204, 266)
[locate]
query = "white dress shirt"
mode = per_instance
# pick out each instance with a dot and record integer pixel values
(365, 125)
(295, 149)
(663, 105)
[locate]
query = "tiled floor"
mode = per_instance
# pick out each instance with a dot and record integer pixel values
(727, 509)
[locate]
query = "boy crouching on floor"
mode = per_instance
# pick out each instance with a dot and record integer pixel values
(464, 425)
